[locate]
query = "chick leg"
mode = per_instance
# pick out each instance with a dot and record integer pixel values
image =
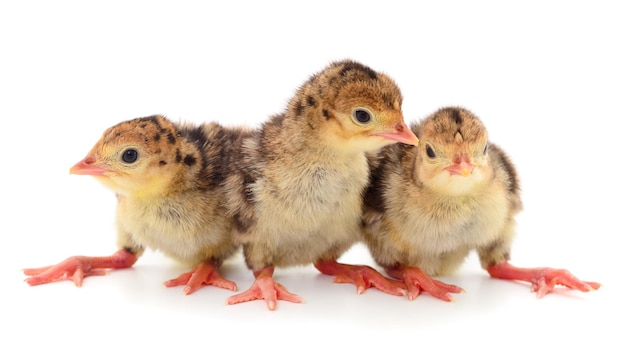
(264, 287)
(543, 279)
(205, 273)
(363, 277)
(417, 280)
(76, 268)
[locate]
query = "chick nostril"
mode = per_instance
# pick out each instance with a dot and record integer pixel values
(400, 127)
(89, 160)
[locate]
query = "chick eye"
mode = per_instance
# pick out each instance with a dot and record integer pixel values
(429, 152)
(362, 116)
(130, 156)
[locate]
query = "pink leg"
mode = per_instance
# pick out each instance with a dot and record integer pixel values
(543, 279)
(417, 280)
(204, 274)
(76, 268)
(363, 277)
(265, 288)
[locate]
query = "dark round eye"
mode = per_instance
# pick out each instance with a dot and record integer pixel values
(130, 156)
(485, 150)
(362, 116)
(429, 152)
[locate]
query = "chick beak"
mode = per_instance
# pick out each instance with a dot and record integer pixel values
(400, 133)
(462, 166)
(88, 166)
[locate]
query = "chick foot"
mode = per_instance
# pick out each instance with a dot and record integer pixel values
(363, 277)
(265, 288)
(203, 275)
(76, 268)
(543, 279)
(417, 281)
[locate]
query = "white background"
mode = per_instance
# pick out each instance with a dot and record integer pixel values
(547, 78)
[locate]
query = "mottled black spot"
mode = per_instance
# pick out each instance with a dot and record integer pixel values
(157, 137)
(154, 119)
(179, 156)
(359, 67)
(326, 114)
(311, 101)
(456, 117)
(171, 138)
(190, 160)
(299, 109)
(213, 153)
(162, 163)
(218, 161)
(195, 135)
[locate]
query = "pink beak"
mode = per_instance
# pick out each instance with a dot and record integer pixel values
(401, 133)
(88, 167)
(462, 166)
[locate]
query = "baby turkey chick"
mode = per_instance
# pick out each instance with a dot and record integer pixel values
(428, 206)
(168, 179)
(297, 191)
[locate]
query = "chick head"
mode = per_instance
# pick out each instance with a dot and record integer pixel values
(136, 157)
(452, 157)
(358, 108)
